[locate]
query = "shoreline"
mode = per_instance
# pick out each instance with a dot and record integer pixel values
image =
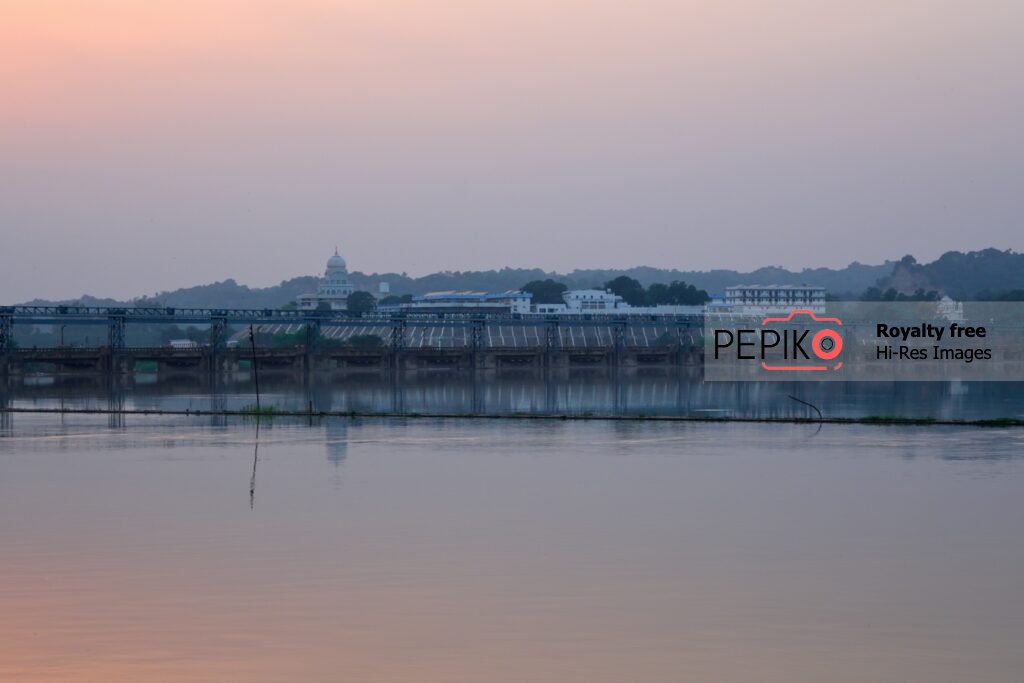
(873, 420)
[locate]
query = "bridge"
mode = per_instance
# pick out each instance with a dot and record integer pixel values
(332, 339)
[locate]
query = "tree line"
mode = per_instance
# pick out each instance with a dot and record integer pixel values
(675, 293)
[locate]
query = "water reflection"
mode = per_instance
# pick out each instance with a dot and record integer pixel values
(333, 431)
(336, 441)
(5, 417)
(586, 391)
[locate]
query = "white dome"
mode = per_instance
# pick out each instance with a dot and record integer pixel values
(335, 261)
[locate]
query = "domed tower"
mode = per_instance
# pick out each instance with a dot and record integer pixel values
(333, 289)
(335, 282)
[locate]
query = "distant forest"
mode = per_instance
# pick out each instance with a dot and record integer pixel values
(989, 274)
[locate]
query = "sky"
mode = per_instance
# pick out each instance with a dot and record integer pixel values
(146, 145)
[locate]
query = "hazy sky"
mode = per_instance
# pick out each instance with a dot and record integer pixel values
(148, 145)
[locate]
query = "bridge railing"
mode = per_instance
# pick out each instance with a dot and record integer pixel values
(171, 313)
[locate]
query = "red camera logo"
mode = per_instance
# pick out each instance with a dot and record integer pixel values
(798, 342)
(826, 343)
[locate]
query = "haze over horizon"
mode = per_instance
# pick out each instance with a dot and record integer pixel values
(147, 146)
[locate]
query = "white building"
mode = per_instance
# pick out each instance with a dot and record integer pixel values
(333, 289)
(603, 302)
(548, 309)
(592, 301)
(764, 299)
(950, 310)
(512, 301)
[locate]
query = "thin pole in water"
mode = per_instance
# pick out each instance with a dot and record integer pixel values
(255, 367)
(255, 459)
(256, 448)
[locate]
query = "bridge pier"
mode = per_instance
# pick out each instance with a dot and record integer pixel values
(552, 342)
(6, 343)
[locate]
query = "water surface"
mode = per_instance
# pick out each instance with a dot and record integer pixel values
(445, 550)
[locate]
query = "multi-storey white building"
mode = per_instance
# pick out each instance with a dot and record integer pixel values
(763, 299)
(592, 300)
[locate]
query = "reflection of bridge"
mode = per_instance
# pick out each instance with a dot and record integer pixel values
(330, 340)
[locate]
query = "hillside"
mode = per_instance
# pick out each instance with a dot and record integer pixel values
(961, 275)
(229, 294)
(854, 278)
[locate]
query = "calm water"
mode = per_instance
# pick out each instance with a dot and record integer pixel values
(478, 551)
(652, 391)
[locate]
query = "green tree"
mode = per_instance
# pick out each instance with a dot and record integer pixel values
(682, 294)
(678, 293)
(631, 291)
(288, 340)
(871, 294)
(657, 294)
(891, 294)
(360, 302)
(393, 299)
(365, 341)
(545, 291)
(666, 339)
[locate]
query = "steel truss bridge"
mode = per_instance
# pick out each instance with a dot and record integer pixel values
(586, 338)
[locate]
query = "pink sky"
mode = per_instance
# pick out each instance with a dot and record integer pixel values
(151, 145)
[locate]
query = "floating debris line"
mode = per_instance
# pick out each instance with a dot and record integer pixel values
(268, 413)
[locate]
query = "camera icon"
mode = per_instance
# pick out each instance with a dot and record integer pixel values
(793, 329)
